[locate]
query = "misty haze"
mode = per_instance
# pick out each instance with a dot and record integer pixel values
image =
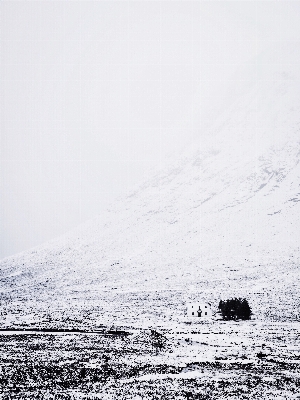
(150, 191)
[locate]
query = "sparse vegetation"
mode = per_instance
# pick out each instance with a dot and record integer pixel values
(158, 341)
(81, 366)
(234, 309)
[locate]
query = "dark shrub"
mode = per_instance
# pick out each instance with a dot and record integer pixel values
(234, 309)
(158, 341)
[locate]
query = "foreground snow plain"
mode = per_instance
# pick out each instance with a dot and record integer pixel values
(200, 360)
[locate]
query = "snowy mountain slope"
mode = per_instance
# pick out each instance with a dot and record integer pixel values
(225, 218)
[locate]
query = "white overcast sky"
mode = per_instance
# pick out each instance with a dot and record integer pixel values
(94, 93)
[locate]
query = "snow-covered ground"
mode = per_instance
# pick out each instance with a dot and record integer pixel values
(216, 359)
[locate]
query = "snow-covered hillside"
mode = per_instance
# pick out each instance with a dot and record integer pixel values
(224, 219)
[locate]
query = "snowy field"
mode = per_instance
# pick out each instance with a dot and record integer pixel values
(196, 360)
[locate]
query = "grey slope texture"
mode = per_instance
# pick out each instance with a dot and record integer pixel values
(225, 218)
